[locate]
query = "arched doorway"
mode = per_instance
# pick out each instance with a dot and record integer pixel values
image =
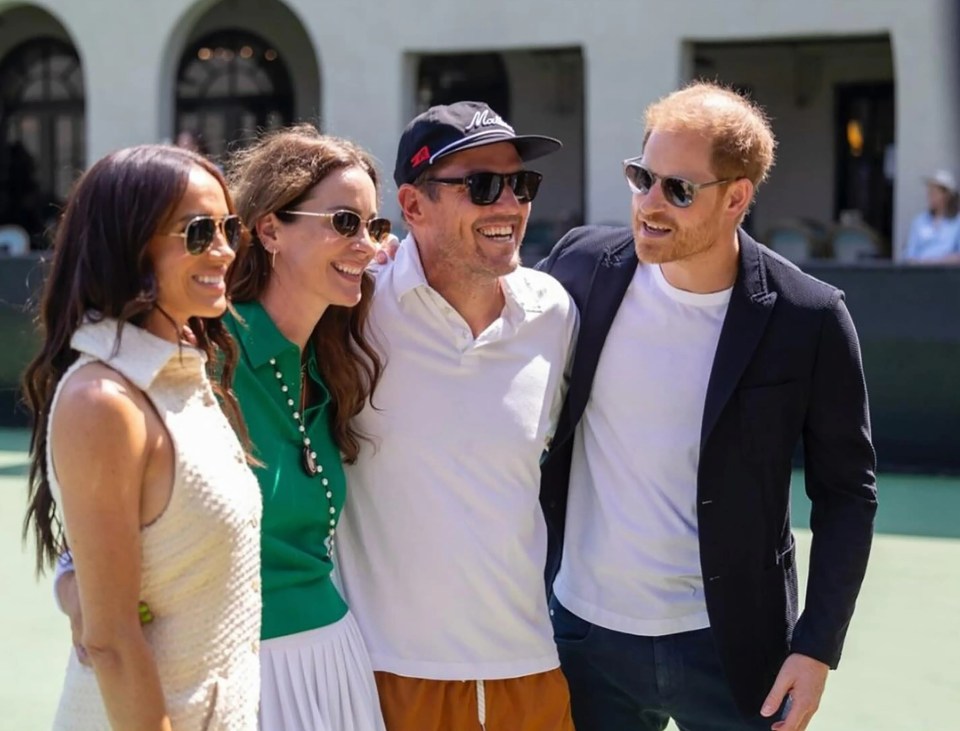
(42, 133)
(230, 84)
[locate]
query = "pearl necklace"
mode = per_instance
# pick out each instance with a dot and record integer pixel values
(310, 464)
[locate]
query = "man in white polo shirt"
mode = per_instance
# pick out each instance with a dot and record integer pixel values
(443, 542)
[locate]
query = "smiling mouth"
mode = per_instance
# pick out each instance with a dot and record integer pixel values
(502, 233)
(654, 230)
(349, 270)
(216, 280)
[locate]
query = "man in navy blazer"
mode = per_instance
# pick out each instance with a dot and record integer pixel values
(704, 359)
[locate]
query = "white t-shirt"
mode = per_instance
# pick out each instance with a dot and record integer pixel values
(631, 557)
(442, 543)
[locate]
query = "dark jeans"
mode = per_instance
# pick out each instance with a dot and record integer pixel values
(622, 682)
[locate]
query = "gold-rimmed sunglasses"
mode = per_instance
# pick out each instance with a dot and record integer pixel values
(348, 223)
(200, 232)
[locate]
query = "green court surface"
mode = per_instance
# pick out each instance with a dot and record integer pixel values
(901, 664)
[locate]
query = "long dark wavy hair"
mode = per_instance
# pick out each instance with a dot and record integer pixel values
(100, 269)
(278, 172)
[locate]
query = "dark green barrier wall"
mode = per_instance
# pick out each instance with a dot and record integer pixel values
(908, 320)
(20, 279)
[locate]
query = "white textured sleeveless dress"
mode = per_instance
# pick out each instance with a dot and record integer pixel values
(200, 558)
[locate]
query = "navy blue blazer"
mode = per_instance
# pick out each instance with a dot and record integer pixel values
(787, 368)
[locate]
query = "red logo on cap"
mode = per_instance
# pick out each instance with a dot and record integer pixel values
(423, 154)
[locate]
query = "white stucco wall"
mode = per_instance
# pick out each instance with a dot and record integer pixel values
(634, 51)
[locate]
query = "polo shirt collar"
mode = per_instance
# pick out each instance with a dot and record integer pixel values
(259, 336)
(520, 296)
(407, 268)
(261, 340)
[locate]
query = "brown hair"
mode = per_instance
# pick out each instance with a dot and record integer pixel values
(952, 205)
(277, 172)
(742, 139)
(100, 269)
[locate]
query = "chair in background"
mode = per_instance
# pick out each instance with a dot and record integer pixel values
(795, 240)
(854, 242)
(14, 240)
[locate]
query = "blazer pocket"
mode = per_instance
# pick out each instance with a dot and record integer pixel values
(771, 418)
(781, 606)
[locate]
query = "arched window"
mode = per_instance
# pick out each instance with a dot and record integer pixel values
(42, 128)
(230, 84)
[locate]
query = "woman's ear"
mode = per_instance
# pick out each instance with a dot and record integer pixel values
(266, 229)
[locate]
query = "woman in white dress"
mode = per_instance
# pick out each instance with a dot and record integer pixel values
(134, 465)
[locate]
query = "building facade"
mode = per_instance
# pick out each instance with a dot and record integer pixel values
(863, 93)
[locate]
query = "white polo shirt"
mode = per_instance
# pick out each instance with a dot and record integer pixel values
(442, 543)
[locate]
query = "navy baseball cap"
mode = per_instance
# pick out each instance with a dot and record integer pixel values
(445, 129)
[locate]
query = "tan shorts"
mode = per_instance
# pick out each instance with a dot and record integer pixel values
(538, 702)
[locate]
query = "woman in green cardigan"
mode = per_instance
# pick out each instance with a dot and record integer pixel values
(301, 297)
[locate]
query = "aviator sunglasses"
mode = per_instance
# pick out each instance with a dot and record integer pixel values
(348, 223)
(201, 230)
(486, 188)
(678, 192)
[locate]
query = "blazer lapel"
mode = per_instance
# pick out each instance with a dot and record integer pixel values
(747, 314)
(611, 278)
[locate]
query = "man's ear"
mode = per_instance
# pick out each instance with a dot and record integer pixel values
(739, 197)
(411, 202)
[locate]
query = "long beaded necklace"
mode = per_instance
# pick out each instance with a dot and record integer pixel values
(309, 460)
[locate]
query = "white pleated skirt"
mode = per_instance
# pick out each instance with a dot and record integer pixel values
(319, 680)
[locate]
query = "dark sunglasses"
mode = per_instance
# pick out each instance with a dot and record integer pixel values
(678, 192)
(486, 188)
(201, 231)
(348, 223)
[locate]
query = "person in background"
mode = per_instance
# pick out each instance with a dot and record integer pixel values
(935, 234)
(133, 457)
